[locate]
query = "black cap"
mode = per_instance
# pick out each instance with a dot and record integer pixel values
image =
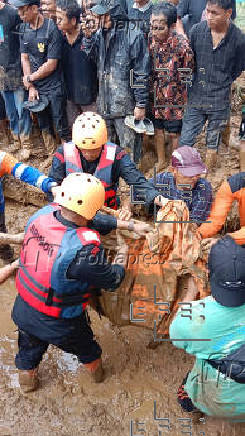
(226, 264)
(20, 3)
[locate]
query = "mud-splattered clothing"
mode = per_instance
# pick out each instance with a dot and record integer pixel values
(169, 252)
(172, 65)
(232, 189)
(212, 393)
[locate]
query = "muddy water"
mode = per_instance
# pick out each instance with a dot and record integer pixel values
(67, 403)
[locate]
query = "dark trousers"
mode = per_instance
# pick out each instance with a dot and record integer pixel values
(79, 341)
(54, 115)
(195, 119)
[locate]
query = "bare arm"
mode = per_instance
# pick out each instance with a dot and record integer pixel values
(25, 64)
(8, 270)
(45, 70)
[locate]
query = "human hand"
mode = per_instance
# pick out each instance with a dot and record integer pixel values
(124, 214)
(8, 270)
(33, 94)
(89, 26)
(142, 228)
(207, 243)
(161, 201)
(139, 113)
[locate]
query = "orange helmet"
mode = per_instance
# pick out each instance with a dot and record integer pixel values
(89, 131)
(81, 193)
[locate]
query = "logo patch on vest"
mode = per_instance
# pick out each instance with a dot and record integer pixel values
(69, 150)
(110, 153)
(90, 236)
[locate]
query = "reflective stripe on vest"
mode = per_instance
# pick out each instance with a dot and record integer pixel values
(103, 171)
(48, 249)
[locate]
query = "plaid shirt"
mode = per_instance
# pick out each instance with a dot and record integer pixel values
(172, 65)
(215, 69)
(198, 200)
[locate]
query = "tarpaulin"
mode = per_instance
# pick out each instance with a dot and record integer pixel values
(157, 269)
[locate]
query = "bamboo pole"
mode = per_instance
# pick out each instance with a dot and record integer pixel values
(6, 238)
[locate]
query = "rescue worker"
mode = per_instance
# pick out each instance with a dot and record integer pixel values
(232, 189)
(10, 165)
(89, 151)
(54, 286)
(215, 333)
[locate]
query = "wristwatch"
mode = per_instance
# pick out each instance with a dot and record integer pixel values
(29, 79)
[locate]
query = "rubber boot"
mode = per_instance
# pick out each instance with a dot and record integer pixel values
(96, 371)
(211, 159)
(26, 147)
(242, 155)
(28, 380)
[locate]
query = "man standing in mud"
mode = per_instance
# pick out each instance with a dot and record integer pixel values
(219, 49)
(60, 268)
(123, 70)
(41, 50)
(11, 85)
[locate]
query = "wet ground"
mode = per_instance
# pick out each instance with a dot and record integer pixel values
(67, 403)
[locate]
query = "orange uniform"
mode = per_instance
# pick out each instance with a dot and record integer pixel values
(232, 189)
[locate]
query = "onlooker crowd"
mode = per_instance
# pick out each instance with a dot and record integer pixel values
(130, 59)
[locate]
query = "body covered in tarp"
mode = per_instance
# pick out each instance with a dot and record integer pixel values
(155, 273)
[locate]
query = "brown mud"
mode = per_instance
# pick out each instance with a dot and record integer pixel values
(67, 403)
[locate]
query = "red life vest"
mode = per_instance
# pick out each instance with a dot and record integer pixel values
(48, 249)
(103, 171)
